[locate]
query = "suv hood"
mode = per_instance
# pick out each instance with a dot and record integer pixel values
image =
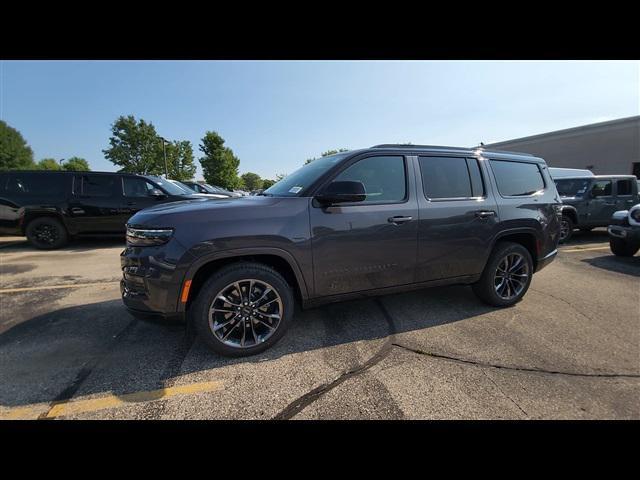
(169, 213)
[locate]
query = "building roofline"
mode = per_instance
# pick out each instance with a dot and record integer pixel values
(581, 128)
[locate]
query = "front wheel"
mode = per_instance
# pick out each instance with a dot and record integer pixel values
(623, 248)
(566, 228)
(243, 309)
(506, 276)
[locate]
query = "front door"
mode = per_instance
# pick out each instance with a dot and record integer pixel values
(601, 203)
(370, 244)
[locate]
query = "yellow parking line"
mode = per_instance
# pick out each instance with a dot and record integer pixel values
(584, 249)
(109, 401)
(53, 287)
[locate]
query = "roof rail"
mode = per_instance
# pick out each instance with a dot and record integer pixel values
(408, 145)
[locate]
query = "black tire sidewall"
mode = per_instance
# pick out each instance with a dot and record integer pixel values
(199, 312)
(484, 288)
(62, 233)
(623, 248)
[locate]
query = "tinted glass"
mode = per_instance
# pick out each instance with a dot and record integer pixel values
(99, 185)
(36, 184)
(449, 177)
(136, 187)
(572, 187)
(517, 178)
(293, 184)
(383, 178)
(624, 187)
(601, 188)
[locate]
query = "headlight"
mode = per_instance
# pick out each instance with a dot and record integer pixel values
(141, 237)
(634, 215)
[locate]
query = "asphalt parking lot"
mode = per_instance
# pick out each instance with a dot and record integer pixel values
(569, 350)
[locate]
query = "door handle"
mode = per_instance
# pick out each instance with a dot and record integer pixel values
(399, 219)
(485, 213)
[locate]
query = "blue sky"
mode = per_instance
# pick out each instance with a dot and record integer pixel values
(275, 114)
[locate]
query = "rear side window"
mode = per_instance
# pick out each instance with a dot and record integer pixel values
(451, 177)
(517, 178)
(99, 185)
(33, 184)
(383, 178)
(625, 187)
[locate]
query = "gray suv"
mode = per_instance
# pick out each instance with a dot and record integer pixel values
(366, 222)
(589, 202)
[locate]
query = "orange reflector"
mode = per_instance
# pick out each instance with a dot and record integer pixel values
(185, 291)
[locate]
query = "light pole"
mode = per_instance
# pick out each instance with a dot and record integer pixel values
(60, 161)
(164, 153)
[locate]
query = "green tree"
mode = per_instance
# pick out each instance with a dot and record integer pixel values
(76, 164)
(252, 181)
(135, 146)
(15, 154)
(219, 164)
(180, 160)
(48, 164)
(267, 183)
(326, 154)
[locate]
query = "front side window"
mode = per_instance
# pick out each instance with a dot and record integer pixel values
(136, 187)
(517, 178)
(624, 187)
(99, 185)
(601, 188)
(383, 178)
(451, 177)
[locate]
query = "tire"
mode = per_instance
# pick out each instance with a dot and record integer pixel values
(261, 335)
(622, 248)
(566, 228)
(486, 288)
(46, 233)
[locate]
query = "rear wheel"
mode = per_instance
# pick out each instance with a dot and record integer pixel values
(566, 228)
(46, 233)
(506, 277)
(623, 248)
(243, 309)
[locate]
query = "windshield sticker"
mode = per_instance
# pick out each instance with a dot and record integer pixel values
(295, 189)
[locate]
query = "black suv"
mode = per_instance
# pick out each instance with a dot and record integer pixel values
(589, 202)
(49, 207)
(365, 222)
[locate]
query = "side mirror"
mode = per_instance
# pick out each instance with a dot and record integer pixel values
(156, 193)
(342, 192)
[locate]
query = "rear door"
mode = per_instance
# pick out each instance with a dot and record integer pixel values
(95, 204)
(458, 215)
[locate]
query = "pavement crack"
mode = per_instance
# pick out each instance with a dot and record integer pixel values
(515, 368)
(86, 369)
(310, 397)
(504, 393)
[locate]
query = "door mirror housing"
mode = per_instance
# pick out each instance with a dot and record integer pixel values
(342, 192)
(157, 193)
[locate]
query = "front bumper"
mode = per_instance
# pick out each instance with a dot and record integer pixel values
(631, 234)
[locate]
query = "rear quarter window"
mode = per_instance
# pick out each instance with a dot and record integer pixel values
(517, 178)
(33, 184)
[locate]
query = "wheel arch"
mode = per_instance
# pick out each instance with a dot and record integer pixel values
(571, 212)
(525, 236)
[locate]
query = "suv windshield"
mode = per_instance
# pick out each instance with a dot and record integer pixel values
(169, 187)
(292, 185)
(572, 187)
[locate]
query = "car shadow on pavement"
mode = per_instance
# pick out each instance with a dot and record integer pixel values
(597, 235)
(100, 349)
(613, 263)
(82, 244)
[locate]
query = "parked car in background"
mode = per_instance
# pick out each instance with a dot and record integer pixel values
(191, 191)
(590, 200)
(365, 222)
(206, 188)
(624, 232)
(51, 207)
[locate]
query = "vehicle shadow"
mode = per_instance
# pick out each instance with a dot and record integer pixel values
(613, 263)
(100, 349)
(81, 244)
(596, 235)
